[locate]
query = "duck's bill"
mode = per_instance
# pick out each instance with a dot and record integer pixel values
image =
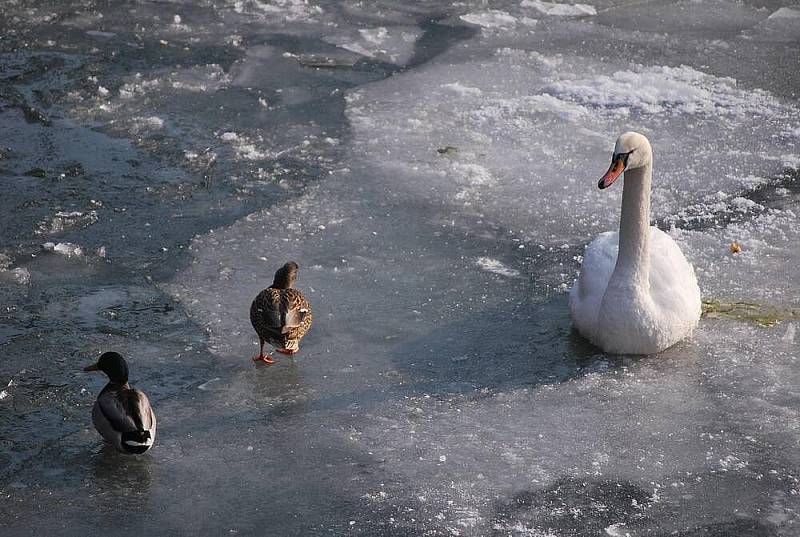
(92, 367)
(613, 173)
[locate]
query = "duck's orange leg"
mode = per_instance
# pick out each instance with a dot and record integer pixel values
(261, 357)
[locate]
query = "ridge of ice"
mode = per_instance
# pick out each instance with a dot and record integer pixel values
(785, 13)
(663, 90)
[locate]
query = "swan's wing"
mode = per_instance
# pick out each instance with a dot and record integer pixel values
(587, 293)
(673, 284)
(599, 259)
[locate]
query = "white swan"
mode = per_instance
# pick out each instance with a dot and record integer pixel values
(646, 298)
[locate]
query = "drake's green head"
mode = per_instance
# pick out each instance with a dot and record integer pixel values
(113, 365)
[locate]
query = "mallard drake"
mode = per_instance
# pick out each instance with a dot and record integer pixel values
(122, 414)
(280, 314)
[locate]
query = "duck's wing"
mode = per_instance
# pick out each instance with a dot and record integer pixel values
(126, 410)
(265, 313)
(138, 409)
(298, 317)
(141, 414)
(113, 404)
(295, 310)
(125, 418)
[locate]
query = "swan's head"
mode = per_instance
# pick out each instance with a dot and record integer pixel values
(631, 151)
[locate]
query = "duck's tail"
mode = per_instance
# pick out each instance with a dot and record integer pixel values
(137, 441)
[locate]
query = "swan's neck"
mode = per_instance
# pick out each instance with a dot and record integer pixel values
(633, 260)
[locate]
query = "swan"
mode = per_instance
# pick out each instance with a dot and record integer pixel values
(636, 293)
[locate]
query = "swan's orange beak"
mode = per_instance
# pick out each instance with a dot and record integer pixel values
(614, 171)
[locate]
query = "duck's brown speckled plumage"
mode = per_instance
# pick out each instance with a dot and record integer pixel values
(280, 314)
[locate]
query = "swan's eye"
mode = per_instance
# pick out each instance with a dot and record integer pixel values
(624, 156)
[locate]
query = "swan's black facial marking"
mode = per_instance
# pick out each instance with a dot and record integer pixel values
(619, 161)
(623, 156)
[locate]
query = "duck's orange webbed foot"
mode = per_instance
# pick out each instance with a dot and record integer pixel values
(266, 358)
(288, 352)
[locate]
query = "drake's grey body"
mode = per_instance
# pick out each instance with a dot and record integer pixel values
(124, 418)
(122, 414)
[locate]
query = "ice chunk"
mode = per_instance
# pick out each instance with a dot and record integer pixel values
(497, 267)
(21, 275)
(616, 530)
(279, 12)
(146, 123)
(6, 393)
(394, 44)
(492, 18)
(64, 248)
(562, 10)
(782, 26)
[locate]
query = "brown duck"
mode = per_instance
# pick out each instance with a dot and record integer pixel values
(280, 314)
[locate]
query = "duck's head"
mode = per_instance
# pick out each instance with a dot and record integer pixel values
(631, 151)
(286, 276)
(113, 365)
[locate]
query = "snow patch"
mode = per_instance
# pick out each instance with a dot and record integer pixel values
(666, 90)
(789, 335)
(462, 90)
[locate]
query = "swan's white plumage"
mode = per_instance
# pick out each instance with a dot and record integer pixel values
(672, 313)
(631, 317)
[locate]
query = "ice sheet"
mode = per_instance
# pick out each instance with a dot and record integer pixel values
(432, 167)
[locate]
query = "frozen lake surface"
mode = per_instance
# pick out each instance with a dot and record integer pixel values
(432, 167)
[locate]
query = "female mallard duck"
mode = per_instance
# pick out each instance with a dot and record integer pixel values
(122, 414)
(280, 314)
(636, 293)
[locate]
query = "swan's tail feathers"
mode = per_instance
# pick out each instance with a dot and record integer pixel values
(137, 441)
